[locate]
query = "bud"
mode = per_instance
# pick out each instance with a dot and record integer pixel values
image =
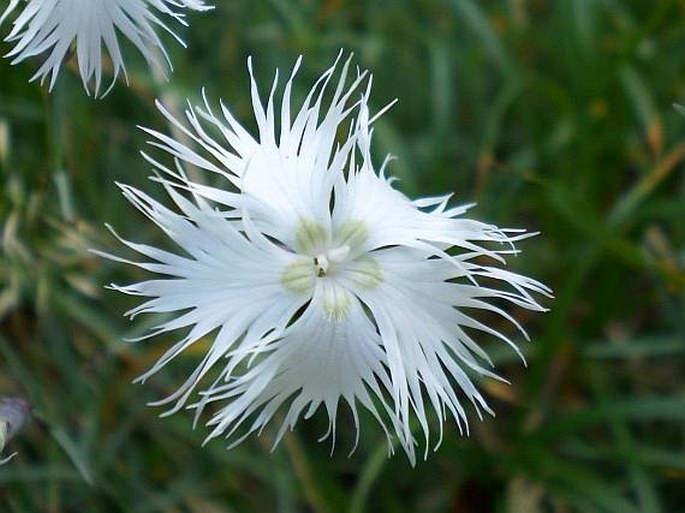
(14, 415)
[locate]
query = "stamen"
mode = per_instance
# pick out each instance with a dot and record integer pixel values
(321, 264)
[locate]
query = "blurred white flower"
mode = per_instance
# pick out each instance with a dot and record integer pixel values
(14, 415)
(52, 28)
(312, 280)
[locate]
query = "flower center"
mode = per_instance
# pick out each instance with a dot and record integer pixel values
(331, 268)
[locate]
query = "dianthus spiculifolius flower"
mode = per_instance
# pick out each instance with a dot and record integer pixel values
(312, 279)
(51, 28)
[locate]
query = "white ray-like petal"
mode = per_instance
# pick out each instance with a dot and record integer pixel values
(421, 317)
(224, 281)
(284, 181)
(53, 27)
(316, 363)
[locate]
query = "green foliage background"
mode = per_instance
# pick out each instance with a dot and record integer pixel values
(556, 115)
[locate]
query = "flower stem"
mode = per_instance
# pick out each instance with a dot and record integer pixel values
(304, 473)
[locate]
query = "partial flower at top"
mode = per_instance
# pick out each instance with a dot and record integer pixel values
(313, 280)
(50, 29)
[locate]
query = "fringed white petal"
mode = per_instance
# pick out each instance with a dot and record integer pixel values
(315, 363)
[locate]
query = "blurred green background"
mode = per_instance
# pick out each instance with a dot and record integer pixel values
(556, 116)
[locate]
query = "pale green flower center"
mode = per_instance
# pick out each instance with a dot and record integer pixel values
(333, 265)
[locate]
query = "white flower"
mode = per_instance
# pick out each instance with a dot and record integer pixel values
(54, 27)
(316, 281)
